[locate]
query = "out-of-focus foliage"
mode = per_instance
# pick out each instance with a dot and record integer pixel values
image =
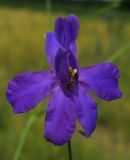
(22, 37)
(123, 3)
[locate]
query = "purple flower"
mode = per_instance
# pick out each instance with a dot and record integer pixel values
(67, 85)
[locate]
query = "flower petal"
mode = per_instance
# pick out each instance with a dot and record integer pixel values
(60, 118)
(66, 30)
(73, 49)
(25, 91)
(87, 111)
(52, 47)
(102, 79)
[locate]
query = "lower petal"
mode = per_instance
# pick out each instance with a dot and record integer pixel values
(60, 118)
(87, 111)
(102, 79)
(25, 91)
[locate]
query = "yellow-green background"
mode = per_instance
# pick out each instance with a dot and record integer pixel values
(103, 32)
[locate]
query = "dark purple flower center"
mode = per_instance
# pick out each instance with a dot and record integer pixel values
(67, 72)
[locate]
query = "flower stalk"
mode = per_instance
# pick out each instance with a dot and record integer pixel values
(69, 150)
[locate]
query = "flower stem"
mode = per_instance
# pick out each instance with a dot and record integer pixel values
(106, 9)
(120, 52)
(69, 150)
(48, 10)
(23, 137)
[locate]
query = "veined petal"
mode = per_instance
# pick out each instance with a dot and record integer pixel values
(102, 79)
(87, 111)
(60, 119)
(66, 30)
(73, 49)
(52, 47)
(25, 91)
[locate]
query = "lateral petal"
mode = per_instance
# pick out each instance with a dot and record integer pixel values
(102, 79)
(25, 91)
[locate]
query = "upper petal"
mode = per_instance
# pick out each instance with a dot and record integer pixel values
(87, 111)
(73, 49)
(52, 47)
(66, 30)
(60, 118)
(25, 91)
(102, 79)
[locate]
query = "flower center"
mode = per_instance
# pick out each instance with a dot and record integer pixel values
(66, 68)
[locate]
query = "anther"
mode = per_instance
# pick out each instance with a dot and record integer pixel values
(73, 71)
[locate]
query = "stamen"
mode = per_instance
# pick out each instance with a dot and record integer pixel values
(70, 69)
(72, 80)
(73, 71)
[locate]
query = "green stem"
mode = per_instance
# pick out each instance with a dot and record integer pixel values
(119, 53)
(48, 4)
(48, 10)
(104, 10)
(23, 137)
(69, 150)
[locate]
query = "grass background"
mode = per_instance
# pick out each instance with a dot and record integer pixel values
(103, 32)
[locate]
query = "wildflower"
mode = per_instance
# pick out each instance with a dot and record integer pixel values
(67, 85)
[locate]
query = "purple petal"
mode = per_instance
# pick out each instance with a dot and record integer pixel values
(102, 79)
(52, 47)
(25, 91)
(73, 49)
(60, 118)
(87, 111)
(63, 61)
(66, 30)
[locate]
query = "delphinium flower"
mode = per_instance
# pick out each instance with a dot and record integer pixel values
(68, 86)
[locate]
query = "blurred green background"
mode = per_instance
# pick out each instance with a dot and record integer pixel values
(104, 31)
